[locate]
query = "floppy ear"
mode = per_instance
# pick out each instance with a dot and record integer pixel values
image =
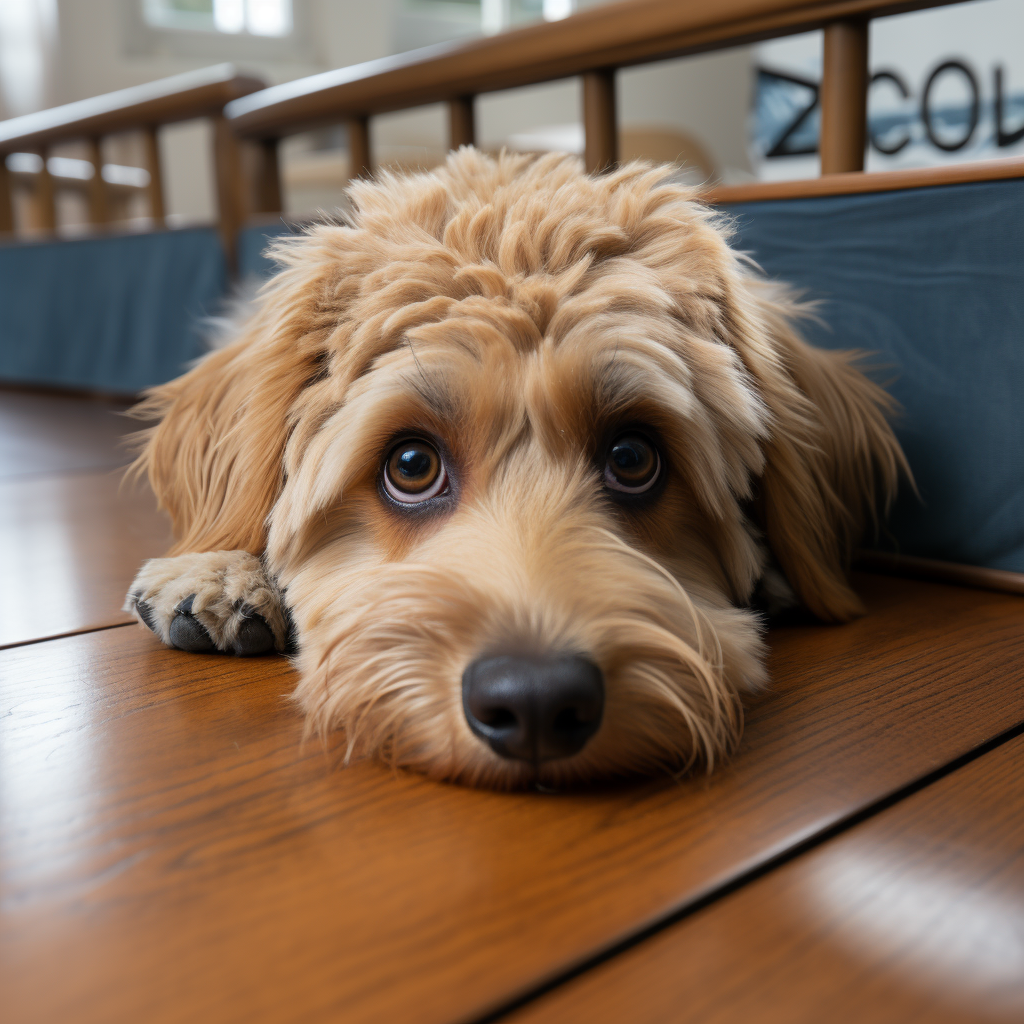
(831, 459)
(214, 460)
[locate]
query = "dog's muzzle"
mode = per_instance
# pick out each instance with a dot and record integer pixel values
(533, 707)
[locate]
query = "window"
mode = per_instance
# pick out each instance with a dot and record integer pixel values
(251, 17)
(421, 22)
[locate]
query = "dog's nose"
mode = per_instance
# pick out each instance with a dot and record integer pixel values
(533, 708)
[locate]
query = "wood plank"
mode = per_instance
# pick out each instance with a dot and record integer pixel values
(914, 915)
(171, 852)
(604, 36)
(70, 545)
(856, 182)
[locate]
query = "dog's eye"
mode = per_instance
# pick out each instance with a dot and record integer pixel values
(633, 464)
(414, 472)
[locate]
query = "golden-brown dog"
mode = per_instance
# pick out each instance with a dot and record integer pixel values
(515, 448)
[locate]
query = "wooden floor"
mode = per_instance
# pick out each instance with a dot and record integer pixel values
(170, 851)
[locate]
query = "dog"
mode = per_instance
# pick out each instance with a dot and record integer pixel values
(510, 457)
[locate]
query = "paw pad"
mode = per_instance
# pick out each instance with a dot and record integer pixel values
(186, 632)
(254, 635)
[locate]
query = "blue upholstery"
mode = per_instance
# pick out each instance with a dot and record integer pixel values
(252, 245)
(932, 282)
(112, 314)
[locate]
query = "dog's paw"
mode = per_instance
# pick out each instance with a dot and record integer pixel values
(213, 601)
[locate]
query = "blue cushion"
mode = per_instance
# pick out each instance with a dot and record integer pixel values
(113, 314)
(253, 263)
(932, 282)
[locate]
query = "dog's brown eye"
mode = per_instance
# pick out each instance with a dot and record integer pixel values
(633, 464)
(414, 472)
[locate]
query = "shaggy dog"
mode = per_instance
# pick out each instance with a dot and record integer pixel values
(514, 450)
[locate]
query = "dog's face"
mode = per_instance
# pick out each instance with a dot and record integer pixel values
(522, 435)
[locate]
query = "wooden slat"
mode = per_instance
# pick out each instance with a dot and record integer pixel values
(880, 181)
(607, 35)
(6, 200)
(171, 852)
(844, 97)
(70, 546)
(155, 188)
(232, 186)
(360, 162)
(99, 207)
(179, 98)
(600, 123)
(43, 198)
(914, 915)
(461, 122)
(267, 177)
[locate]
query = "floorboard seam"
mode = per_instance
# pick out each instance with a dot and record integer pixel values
(745, 878)
(61, 636)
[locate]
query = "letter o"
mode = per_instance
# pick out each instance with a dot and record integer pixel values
(926, 114)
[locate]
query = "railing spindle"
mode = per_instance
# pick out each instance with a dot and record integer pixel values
(6, 199)
(155, 188)
(844, 97)
(461, 123)
(359, 162)
(600, 125)
(231, 190)
(99, 212)
(46, 207)
(268, 177)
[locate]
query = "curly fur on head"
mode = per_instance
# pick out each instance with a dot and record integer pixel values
(519, 314)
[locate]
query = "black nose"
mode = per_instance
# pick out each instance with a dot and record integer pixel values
(533, 708)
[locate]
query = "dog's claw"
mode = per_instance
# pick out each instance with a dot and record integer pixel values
(145, 613)
(186, 632)
(254, 635)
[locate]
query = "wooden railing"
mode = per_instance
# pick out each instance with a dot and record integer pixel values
(592, 44)
(144, 108)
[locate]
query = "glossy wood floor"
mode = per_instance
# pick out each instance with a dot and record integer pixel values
(170, 851)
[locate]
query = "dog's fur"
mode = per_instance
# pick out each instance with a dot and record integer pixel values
(518, 311)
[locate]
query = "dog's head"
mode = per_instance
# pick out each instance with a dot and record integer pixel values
(517, 442)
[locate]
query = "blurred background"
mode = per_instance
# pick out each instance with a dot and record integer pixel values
(948, 85)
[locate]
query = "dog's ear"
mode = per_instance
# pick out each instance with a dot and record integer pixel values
(831, 458)
(215, 458)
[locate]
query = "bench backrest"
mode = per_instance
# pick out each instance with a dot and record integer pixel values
(143, 109)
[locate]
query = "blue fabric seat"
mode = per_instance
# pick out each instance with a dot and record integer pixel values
(931, 282)
(114, 314)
